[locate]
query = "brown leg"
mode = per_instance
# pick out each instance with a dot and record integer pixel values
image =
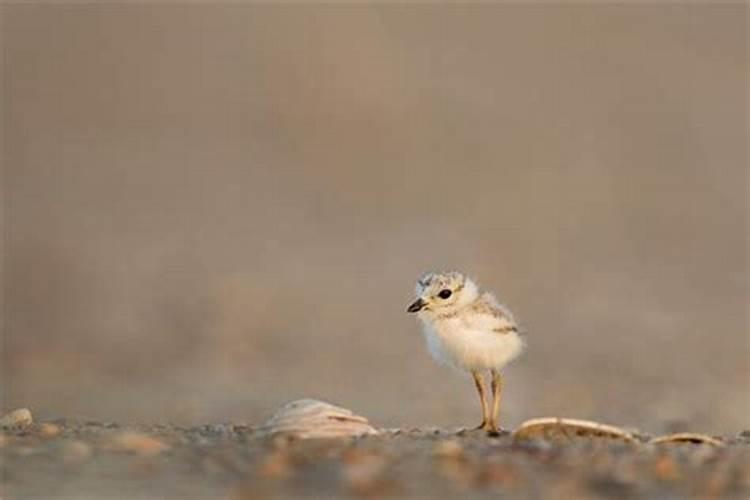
(497, 387)
(479, 382)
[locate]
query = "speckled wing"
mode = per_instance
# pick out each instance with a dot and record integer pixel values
(489, 315)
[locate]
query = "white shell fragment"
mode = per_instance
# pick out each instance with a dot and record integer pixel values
(564, 429)
(310, 418)
(17, 418)
(687, 437)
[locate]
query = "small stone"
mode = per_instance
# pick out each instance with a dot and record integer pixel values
(499, 474)
(48, 430)
(17, 418)
(448, 448)
(363, 472)
(134, 442)
(391, 431)
(459, 472)
(75, 451)
(430, 431)
(665, 469)
(217, 429)
(276, 465)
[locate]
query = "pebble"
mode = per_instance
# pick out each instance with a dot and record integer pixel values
(276, 465)
(499, 474)
(134, 442)
(218, 429)
(666, 469)
(17, 418)
(459, 472)
(48, 430)
(76, 451)
(448, 448)
(363, 472)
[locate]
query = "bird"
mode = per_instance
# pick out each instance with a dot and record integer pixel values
(468, 329)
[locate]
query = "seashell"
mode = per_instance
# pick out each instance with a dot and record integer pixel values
(687, 437)
(310, 418)
(17, 418)
(564, 429)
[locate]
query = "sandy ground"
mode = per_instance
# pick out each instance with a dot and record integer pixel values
(82, 460)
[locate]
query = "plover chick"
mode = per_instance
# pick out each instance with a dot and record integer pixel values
(469, 330)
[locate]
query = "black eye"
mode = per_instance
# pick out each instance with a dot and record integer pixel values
(444, 294)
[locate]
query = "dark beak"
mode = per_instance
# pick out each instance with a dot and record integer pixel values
(416, 306)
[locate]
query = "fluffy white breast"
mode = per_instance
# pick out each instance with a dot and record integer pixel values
(474, 347)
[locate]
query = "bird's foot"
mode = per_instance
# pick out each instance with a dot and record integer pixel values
(494, 430)
(483, 426)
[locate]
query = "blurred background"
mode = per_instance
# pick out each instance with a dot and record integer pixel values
(212, 210)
